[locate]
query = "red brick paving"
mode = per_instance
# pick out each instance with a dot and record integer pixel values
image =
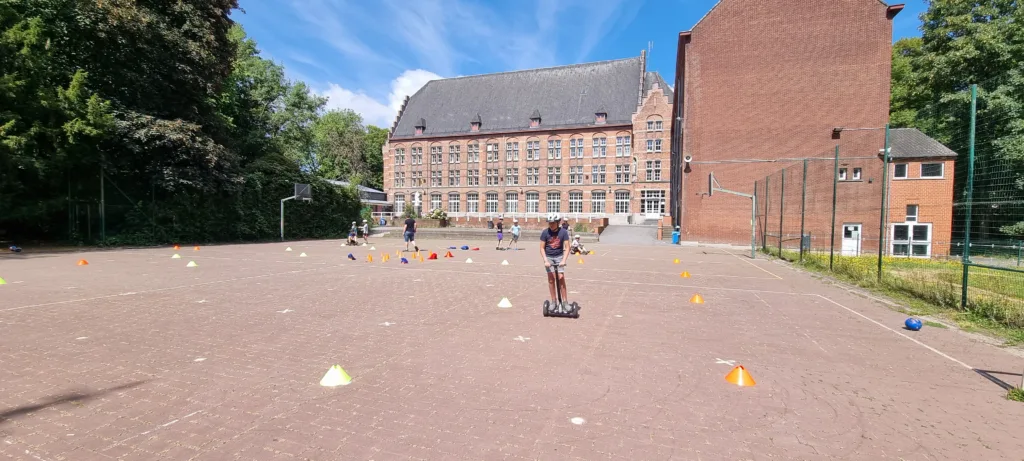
(448, 379)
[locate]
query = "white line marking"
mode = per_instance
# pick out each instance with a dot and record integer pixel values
(200, 359)
(82, 337)
(618, 315)
(755, 265)
(719, 361)
(285, 311)
(894, 331)
(201, 301)
(387, 324)
(521, 339)
(577, 420)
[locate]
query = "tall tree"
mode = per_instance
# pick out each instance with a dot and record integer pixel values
(373, 157)
(338, 136)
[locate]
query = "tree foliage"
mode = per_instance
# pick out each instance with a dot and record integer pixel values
(970, 42)
(169, 105)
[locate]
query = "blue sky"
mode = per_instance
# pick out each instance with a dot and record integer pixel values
(368, 55)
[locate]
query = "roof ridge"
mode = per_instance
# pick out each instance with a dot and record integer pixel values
(566, 66)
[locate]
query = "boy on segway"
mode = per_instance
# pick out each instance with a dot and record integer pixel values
(554, 252)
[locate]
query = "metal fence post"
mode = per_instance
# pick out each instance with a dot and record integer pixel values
(767, 202)
(970, 196)
(835, 185)
(782, 205)
(803, 209)
(883, 211)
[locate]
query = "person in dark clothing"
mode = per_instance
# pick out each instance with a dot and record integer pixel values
(501, 227)
(555, 253)
(410, 234)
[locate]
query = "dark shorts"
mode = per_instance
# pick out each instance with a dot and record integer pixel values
(410, 236)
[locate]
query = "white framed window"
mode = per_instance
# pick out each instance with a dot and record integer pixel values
(454, 178)
(454, 153)
(512, 152)
(554, 202)
(911, 213)
(899, 171)
(600, 147)
(554, 175)
(492, 176)
(623, 145)
(857, 173)
(511, 202)
(597, 198)
(652, 201)
(911, 239)
(473, 202)
(399, 179)
(435, 178)
(654, 170)
(473, 152)
(492, 153)
(576, 174)
(842, 174)
(399, 156)
(533, 202)
(597, 174)
(576, 148)
(533, 176)
(932, 170)
(532, 150)
(511, 176)
(435, 201)
(653, 145)
(399, 203)
(622, 174)
(492, 202)
(555, 149)
(435, 155)
(473, 177)
(622, 202)
(655, 125)
(453, 202)
(575, 201)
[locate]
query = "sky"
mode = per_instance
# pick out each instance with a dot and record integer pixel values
(369, 55)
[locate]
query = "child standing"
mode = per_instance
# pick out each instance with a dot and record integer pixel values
(366, 232)
(555, 253)
(515, 234)
(501, 227)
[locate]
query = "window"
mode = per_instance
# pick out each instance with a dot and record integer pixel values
(654, 125)
(435, 201)
(653, 145)
(532, 150)
(435, 178)
(399, 156)
(492, 176)
(597, 173)
(622, 202)
(900, 171)
(473, 202)
(576, 202)
(417, 178)
(911, 213)
(911, 240)
(473, 177)
(416, 154)
(600, 147)
(435, 155)
(454, 152)
(554, 175)
(856, 174)
(622, 146)
(473, 152)
(621, 174)
(512, 152)
(576, 148)
(511, 202)
(931, 170)
(576, 174)
(554, 202)
(597, 201)
(533, 176)
(399, 203)
(453, 178)
(492, 202)
(555, 149)
(511, 176)
(399, 179)
(453, 202)
(492, 152)
(842, 174)
(652, 201)
(654, 170)
(533, 202)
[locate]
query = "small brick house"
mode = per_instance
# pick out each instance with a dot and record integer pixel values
(920, 195)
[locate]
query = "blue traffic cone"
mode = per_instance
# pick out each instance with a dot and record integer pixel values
(351, 257)
(405, 261)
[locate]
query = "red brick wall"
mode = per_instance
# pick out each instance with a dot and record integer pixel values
(768, 80)
(934, 198)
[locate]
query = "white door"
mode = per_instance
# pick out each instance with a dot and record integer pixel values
(851, 239)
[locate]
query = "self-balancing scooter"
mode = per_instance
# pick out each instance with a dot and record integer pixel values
(561, 308)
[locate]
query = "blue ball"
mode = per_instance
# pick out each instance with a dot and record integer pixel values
(912, 324)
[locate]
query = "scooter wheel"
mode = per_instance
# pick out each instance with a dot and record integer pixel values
(547, 306)
(575, 310)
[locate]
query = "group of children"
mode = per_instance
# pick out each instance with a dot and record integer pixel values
(355, 231)
(575, 248)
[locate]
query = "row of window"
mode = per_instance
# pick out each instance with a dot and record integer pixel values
(652, 201)
(598, 175)
(900, 171)
(623, 148)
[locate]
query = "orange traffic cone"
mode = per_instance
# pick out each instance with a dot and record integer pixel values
(177, 247)
(685, 275)
(697, 299)
(740, 377)
(196, 248)
(82, 262)
(448, 255)
(369, 258)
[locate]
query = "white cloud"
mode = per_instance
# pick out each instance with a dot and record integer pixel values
(373, 111)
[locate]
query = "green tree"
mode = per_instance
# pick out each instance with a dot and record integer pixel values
(300, 111)
(373, 157)
(338, 138)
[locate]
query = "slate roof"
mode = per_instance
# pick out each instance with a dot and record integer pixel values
(656, 77)
(565, 96)
(912, 143)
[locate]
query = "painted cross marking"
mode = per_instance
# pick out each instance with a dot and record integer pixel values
(520, 338)
(725, 362)
(285, 311)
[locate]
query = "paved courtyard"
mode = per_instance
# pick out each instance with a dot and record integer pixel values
(138, 357)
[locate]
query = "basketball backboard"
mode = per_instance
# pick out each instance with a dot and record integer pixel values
(303, 192)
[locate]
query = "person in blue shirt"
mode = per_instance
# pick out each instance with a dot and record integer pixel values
(554, 252)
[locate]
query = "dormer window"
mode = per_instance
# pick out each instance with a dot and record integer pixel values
(600, 116)
(474, 125)
(420, 125)
(535, 119)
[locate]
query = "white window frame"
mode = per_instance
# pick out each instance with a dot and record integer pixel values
(491, 202)
(453, 202)
(620, 201)
(912, 217)
(857, 173)
(600, 147)
(942, 170)
(533, 202)
(399, 203)
(896, 168)
(473, 202)
(554, 198)
(435, 201)
(511, 202)
(842, 174)
(598, 197)
(910, 242)
(575, 201)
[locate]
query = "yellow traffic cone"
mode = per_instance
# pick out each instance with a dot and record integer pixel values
(2, 281)
(369, 258)
(676, 261)
(335, 376)
(697, 299)
(580, 261)
(684, 275)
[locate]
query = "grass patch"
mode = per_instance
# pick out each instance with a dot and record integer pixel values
(934, 324)
(995, 299)
(1016, 394)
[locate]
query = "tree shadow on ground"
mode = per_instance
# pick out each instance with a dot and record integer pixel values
(69, 397)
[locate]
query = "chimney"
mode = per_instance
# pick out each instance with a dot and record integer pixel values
(474, 124)
(600, 116)
(420, 125)
(535, 119)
